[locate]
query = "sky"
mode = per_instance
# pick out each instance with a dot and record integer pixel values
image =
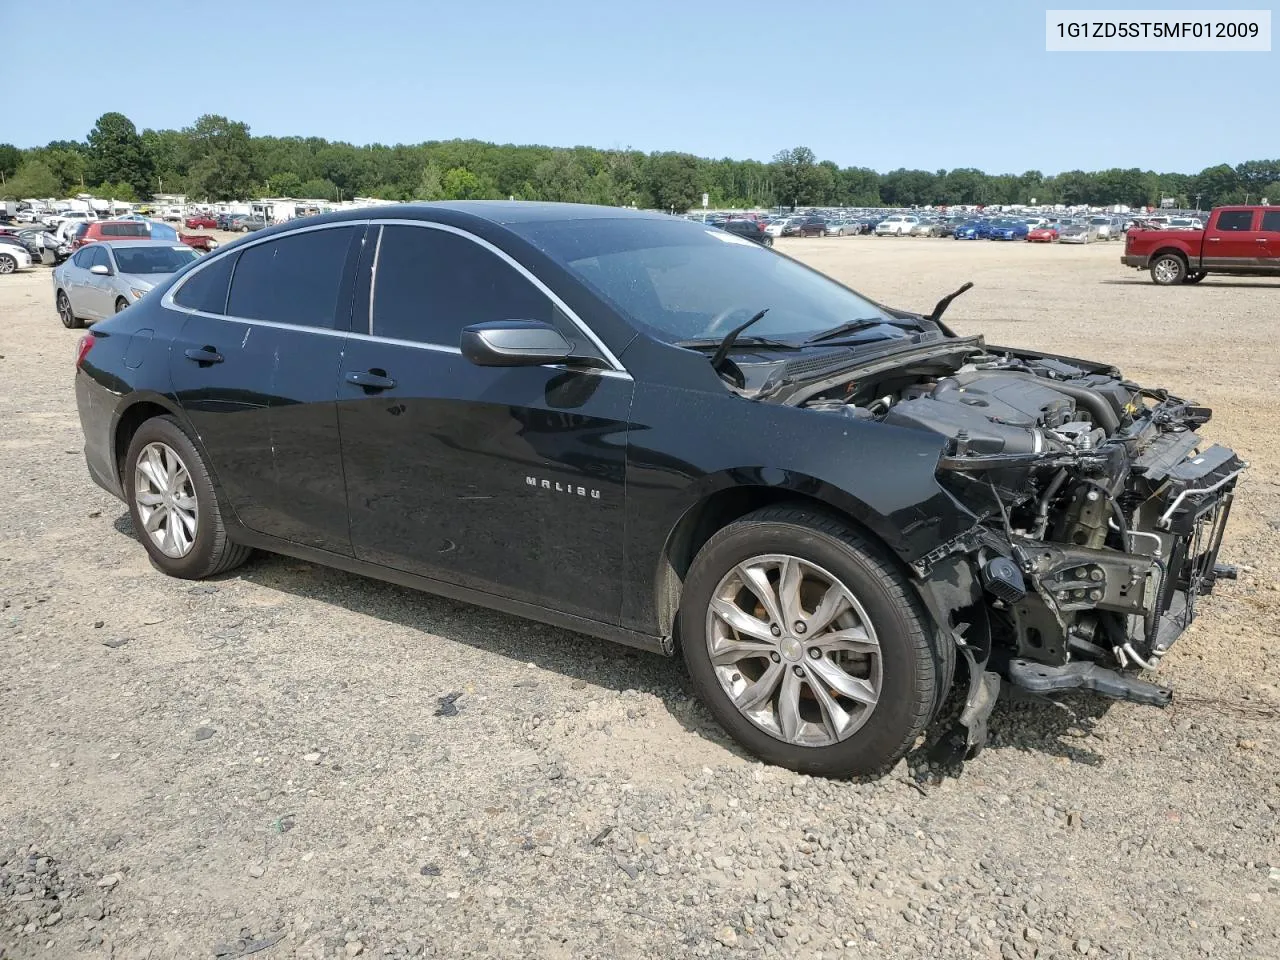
(922, 84)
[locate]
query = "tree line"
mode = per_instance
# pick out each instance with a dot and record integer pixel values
(218, 159)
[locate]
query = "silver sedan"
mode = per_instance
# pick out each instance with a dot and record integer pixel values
(103, 278)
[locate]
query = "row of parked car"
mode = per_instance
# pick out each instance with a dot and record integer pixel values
(22, 245)
(1037, 229)
(234, 222)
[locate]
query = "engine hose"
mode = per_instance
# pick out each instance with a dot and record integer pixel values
(1042, 514)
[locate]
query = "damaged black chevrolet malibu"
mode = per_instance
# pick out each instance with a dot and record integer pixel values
(654, 432)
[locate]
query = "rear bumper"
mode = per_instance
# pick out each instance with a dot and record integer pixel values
(96, 405)
(1137, 261)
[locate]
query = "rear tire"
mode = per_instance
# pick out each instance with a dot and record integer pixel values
(1168, 269)
(209, 551)
(907, 664)
(8, 264)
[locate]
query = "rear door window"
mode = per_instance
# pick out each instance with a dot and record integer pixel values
(1235, 220)
(296, 279)
(1271, 221)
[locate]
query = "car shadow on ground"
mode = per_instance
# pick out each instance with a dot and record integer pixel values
(1207, 282)
(1017, 722)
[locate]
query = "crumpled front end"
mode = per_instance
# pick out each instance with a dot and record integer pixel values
(1101, 517)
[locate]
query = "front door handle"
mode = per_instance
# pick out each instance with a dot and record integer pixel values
(371, 380)
(1260, 240)
(1214, 239)
(204, 355)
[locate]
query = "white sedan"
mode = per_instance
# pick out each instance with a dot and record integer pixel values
(13, 257)
(898, 225)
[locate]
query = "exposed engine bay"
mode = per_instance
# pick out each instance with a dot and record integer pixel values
(1101, 511)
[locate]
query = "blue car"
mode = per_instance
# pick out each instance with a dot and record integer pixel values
(1007, 230)
(972, 230)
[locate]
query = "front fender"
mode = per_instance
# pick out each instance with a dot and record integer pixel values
(881, 477)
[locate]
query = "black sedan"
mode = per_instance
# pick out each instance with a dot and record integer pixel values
(659, 433)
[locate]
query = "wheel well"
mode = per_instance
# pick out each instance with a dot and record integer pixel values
(1173, 250)
(701, 522)
(130, 421)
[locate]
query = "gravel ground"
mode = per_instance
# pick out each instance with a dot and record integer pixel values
(295, 762)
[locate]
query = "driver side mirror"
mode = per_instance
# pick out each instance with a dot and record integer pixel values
(100, 270)
(514, 343)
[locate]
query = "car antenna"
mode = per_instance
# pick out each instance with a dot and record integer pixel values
(726, 344)
(945, 302)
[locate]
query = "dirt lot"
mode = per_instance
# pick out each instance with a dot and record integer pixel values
(200, 770)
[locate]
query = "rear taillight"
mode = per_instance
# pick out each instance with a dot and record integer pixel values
(83, 348)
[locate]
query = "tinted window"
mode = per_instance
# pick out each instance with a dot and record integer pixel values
(206, 289)
(82, 257)
(293, 279)
(1235, 220)
(431, 283)
(1271, 221)
(98, 257)
(125, 230)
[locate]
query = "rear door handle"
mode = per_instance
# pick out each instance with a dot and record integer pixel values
(371, 380)
(204, 355)
(1260, 240)
(1214, 239)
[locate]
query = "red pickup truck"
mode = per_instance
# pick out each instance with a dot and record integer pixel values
(1241, 241)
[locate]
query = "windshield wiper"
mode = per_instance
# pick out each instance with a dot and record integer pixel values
(726, 344)
(853, 326)
(945, 302)
(701, 343)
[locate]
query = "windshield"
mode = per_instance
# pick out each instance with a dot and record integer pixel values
(144, 260)
(682, 281)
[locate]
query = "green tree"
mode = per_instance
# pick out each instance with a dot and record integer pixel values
(793, 176)
(10, 160)
(117, 154)
(429, 184)
(1218, 185)
(114, 191)
(317, 188)
(672, 181)
(219, 158)
(461, 184)
(32, 180)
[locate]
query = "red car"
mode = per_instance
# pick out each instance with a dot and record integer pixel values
(110, 230)
(1042, 234)
(200, 222)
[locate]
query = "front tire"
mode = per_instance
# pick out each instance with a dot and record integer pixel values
(809, 646)
(121, 304)
(1168, 269)
(65, 313)
(172, 502)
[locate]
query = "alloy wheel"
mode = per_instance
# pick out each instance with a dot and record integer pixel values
(1166, 270)
(794, 650)
(65, 314)
(8, 264)
(166, 499)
